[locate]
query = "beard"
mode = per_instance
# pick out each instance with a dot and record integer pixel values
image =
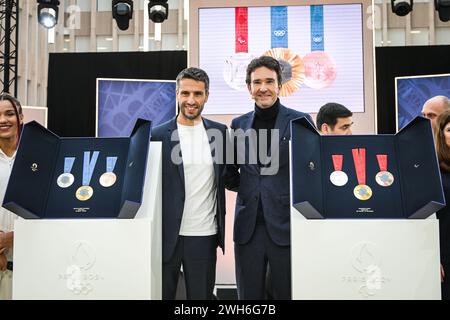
(191, 116)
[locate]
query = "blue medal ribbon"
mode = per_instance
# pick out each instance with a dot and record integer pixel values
(68, 164)
(110, 163)
(317, 32)
(88, 166)
(279, 27)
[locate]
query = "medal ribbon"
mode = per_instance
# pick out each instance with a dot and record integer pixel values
(337, 161)
(241, 29)
(68, 164)
(279, 27)
(317, 30)
(382, 161)
(110, 163)
(88, 166)
(359, 159)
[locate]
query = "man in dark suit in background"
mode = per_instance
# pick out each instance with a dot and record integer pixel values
(193, 204)
(433, 107)
(260, 174)
(334, 118)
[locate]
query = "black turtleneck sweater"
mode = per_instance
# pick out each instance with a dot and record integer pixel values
(264, 119)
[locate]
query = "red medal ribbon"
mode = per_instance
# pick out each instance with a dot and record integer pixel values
(337, 161)
(359, 159)
(382, 161)
(241, 29)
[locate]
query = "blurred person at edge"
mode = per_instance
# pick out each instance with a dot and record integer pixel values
(433, 107)
(442, 141)
(11, 121)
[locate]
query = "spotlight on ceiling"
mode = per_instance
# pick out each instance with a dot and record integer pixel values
(401, 7)
(443, 8)
(48, 13)
(158, 10)
(122, 12)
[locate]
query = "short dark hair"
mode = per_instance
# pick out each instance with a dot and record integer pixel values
(194, 74)
(263, 61)
(330, 112)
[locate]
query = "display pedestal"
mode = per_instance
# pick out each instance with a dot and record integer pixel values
(94, 258)
(365, 259)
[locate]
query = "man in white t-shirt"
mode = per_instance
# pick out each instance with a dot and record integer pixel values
(193, 218)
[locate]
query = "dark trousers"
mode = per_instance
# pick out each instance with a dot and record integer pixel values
(198, 257)
(252, 259)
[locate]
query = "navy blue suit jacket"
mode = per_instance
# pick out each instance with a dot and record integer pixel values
(273, 190)
(173, 192)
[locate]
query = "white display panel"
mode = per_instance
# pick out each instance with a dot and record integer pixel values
(365, 259)
(342, 39)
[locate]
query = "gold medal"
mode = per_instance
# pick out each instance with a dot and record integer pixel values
(108, 179)
(84, 193)
(362, 192)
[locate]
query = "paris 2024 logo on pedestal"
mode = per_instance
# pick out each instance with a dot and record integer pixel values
(79, 275)
(366, 260)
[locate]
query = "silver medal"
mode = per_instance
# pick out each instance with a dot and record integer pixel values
(338, 178)
(65, 180)
(235, 70)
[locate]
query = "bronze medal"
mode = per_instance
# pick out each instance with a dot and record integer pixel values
(108, 179)
(384, 178)
(320, 69)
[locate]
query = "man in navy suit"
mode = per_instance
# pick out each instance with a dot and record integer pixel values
(334, 118)
(260, 175)
(193, 204)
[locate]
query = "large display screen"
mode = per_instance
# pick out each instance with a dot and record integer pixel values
(319, 46)
(120, 102)
(413, 91)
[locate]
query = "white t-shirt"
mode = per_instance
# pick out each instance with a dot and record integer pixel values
(6, 217)
(199, 213)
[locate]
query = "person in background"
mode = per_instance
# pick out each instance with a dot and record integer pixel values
(442, 141)
(11, 121)
(334, 118)
(434, 106)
